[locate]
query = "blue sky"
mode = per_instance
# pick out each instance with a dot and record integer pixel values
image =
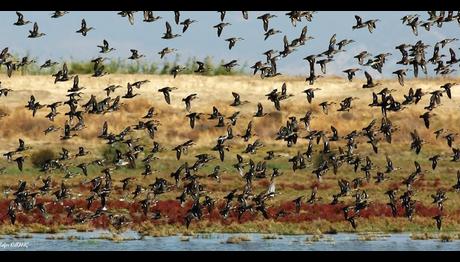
(61, 41)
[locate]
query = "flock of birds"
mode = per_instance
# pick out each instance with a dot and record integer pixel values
(186, 179)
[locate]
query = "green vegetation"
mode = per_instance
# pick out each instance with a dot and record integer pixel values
(123, 66)
(40, 157)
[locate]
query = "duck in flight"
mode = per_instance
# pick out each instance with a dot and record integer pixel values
(57, 14)
(271, 32)
(149, 17)
(166, 91)
(370, 24)
(166, 51)
(401, 73)
(228, 66)
(265, 18)
(370, 83)
(201, 67)
(135, 54)
(232, 41)
(168, 34)
(351, 73)
(105, 47)
(34, 32)
(220, 28)
(21, 20)
(186, 23)
(188, 100)
(84, 29)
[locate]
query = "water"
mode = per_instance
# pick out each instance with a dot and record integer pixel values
(338, 242)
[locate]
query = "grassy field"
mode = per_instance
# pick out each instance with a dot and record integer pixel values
(217, 91)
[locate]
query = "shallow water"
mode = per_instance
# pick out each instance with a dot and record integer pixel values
(337, 242)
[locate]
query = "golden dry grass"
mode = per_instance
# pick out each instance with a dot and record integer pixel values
(211, 91)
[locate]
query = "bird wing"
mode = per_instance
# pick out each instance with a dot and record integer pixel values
(265, 24)
(286, 43)
(146, 15)
(259, 107)
(240, 158)
(231, 44)
(222, 15)
(64, 69)
(105, 127)
(401, 79)
(167, 98)
(304, 32)
(185, 27)
(75, 81)
(20, 162)
(452, 54)
(35, 27)
(426, 120)
(83, 23)
(358, 20)
(248, 130)
(283, 89)
(221, 154)
(368, 77)
(176, 16)
(168, 28)
(131, 18)
(192, 121)
(332, 41)
(20, 16)
(4, 52)
(277, 104)
(415, 29)
(245, 14)
(178, 153)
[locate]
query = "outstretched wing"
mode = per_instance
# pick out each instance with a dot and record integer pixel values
(20, 16)
(168, 28)
(368, 77)
(245, 15)
(332, 41)
(105, 127)
(277, 104)
(304, 31)
(452, 54)
(131, 18)
(176, 16)
(64, 69)
(265, 24)
(401, 79)
(219, 31)
(359, 21)
(75, 81)
(221, 154)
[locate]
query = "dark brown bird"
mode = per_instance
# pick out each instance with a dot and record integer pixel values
(265, 18)
(370, 83)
